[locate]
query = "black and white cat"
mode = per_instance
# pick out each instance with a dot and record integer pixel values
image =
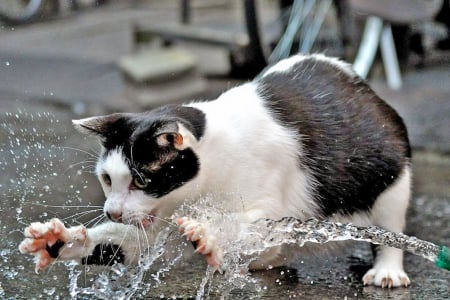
(307, 138)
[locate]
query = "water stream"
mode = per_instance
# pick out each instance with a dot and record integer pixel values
(294, 231)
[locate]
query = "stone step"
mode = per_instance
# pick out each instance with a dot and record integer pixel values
(157, 65)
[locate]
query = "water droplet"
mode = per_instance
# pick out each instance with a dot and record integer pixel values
(50, 291)
(7, 63)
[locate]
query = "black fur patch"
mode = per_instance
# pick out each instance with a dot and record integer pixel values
(104, 254)
(171, 175)
(53, 251)
(192, 118)
(136, 136)
(354, 144)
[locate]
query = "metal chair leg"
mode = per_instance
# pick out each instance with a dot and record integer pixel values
(390, 61)
(368, 47)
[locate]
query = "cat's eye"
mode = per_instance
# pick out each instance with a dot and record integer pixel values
(140, 182)
(106, 179)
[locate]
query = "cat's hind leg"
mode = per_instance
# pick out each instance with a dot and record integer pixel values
(389, 213)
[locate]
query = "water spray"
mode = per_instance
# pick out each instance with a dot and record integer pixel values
(294, 231)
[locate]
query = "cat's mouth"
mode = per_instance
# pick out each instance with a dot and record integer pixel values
(147, 220)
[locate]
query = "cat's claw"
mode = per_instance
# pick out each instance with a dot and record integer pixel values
(43, 240)
(386, 278)
(206, 243)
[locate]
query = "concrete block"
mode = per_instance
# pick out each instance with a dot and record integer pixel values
(156, 65)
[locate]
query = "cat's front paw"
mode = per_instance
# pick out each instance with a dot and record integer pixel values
(206, 243)
(45, 241)
(386, 277)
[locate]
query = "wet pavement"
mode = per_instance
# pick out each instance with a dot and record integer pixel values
(56, 71)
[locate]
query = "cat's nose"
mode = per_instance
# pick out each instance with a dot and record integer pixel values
(115, 217)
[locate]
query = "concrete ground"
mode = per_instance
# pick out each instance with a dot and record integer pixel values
(63, 69)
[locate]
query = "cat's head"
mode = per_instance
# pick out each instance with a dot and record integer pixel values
(145, 157)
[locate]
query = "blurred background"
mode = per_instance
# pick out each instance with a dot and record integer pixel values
(67, 59)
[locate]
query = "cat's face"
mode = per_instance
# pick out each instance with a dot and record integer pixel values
(145, 157)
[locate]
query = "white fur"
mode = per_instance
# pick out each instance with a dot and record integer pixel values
(286, 65)
(340, 64)
(131, 204)
(390, 208)
(389, 212)
(271, 185)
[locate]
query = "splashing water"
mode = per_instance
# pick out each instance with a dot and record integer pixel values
(34, 170)
(122, 282)
(241, 247)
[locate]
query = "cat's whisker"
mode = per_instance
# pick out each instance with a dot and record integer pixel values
(138, 241)
(95, 155)
(89, 163)
(78, 215)
(93, 209)
(141, 238)
(90, 169)
(91, 172)
(64, 206)
(138, 173)
(131, 154)
(119, 246)
(144, 232)
(95, 220)
(141, 216)
(164, 220)
(144, 243)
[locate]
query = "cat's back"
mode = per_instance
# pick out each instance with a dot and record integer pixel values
(323, 99)
(353, 143)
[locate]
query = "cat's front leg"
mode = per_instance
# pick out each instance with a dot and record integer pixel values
(205, 243)
(205, 235)
(51, 240)
(103, 244)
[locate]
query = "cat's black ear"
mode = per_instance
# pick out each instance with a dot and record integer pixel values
(99, 125)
